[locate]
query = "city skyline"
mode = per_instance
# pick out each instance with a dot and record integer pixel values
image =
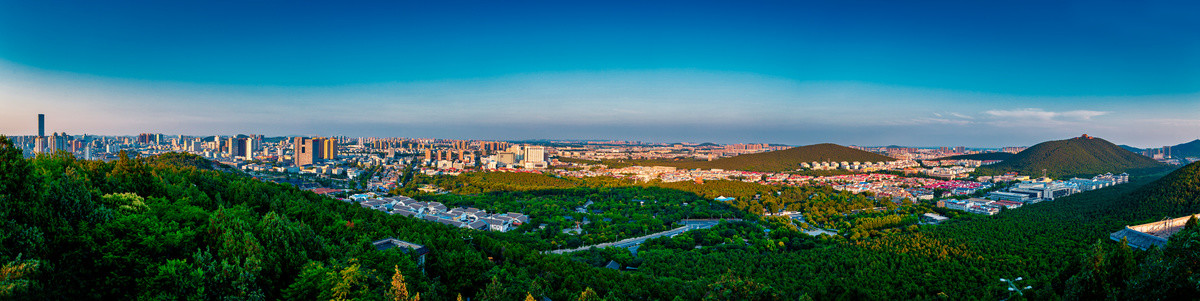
(981, 75)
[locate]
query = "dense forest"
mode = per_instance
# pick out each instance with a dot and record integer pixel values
(162, 228)
(600, 214)
(1081, 156)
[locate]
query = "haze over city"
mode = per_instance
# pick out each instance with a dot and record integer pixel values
(865, 73)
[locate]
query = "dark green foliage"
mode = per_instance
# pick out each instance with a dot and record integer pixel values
(981, 156)
(1174, 195)
(1083, 157)
(1103, 274)
(615, 213)
(1114, 272)
(181, 160)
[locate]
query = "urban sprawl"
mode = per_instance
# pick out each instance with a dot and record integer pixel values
(326, 165)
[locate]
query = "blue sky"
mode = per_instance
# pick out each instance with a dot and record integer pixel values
(850, 72)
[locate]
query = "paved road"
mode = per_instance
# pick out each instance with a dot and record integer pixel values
(819, 231)
(688, 225)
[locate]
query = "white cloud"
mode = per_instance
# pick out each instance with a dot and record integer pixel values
(961, 115)
(1082, 114)
(1043, 115)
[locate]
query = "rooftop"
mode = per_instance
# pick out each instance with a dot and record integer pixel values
(392, 242)
(1151, 234)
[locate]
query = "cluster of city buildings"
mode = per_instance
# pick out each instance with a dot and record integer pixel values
(595, 150)
(1044, 189)
(1032, 191)
(950, 172)
(978, 205)
(1164, 155)
(930, 153)
(672, 174)
(897, 187)
(858, 166)
(81, 145)
(468, 217)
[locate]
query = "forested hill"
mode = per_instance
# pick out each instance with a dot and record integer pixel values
(183, 160)
(1174, 195)
(781, 160)
(1081, 156)
(1001, 156)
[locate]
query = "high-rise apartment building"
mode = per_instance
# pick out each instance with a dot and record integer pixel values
(240, 147)
(329, 148)
(39, 142)
(535, 154)
(304, 151)
(311, 150)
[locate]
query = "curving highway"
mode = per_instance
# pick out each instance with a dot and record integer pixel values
(688, 225)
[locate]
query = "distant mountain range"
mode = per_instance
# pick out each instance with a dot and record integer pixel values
(981, 156)
(1082, 156)
(781, 160)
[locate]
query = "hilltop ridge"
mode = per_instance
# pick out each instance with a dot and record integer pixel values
(1079, 156)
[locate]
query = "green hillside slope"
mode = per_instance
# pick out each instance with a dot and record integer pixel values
(1081, 156)
(1174, 195)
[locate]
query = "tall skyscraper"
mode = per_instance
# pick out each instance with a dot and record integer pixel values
(57, 142)
(248, 148)
(39, 142)
(329, 148)
(240, 147)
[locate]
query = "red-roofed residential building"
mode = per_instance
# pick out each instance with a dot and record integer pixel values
(325, 191)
